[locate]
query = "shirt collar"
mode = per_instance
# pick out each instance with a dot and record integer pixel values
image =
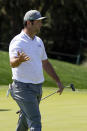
(22, 32)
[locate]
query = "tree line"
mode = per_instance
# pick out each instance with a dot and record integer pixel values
(62, 32)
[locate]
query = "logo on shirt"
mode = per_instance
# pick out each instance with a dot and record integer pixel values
(39, 45)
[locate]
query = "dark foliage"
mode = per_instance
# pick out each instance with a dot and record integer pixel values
(62, 31)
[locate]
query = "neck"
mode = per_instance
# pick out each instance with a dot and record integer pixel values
(29, 33)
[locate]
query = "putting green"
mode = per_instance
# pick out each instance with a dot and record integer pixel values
(67, 112)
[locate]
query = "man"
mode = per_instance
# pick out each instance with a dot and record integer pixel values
(28, 59)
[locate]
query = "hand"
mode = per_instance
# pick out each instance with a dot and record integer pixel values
(23, 57)
(61, 88)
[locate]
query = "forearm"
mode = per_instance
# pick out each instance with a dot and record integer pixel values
(50, 71)
(15, 62)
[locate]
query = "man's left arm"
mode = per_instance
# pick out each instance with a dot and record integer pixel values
(51, 72)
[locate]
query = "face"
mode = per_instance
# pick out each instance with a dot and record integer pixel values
(35, 27)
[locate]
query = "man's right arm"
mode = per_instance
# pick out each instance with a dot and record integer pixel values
(16, 61)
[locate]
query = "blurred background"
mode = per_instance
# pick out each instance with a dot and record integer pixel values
(64, 32)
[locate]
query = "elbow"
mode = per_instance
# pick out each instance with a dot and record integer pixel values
(12, 65)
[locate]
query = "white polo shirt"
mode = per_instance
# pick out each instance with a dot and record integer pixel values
(30, 71)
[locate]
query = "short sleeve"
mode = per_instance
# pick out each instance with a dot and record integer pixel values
(14, 48)
(44, 55)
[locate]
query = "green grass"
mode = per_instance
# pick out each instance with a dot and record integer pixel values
(68, 73)
(67, 112)
(5, 71)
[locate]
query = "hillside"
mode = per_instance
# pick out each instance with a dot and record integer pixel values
(68, 73)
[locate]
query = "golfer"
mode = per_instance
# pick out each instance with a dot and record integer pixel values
(28, 59)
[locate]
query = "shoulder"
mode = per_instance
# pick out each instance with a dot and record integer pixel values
(38, 39)
(17, 40)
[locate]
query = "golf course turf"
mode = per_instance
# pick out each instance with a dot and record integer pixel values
(67, 112)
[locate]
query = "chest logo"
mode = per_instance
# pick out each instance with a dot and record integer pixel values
(39, 45)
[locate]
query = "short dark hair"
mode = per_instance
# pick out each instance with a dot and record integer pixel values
(25, 23)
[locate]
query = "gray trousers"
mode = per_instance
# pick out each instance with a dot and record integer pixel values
(28, 97)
